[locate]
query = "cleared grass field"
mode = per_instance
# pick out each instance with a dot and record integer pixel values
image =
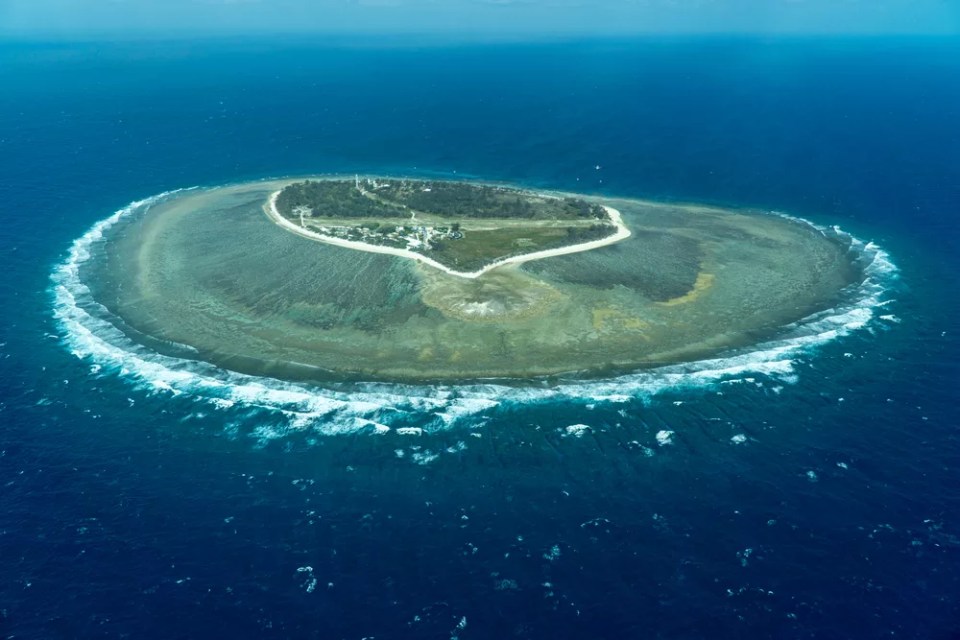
(478, 248)
(478, 242)
(462, 226)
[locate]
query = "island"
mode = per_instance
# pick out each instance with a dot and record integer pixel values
(347, 279)
(464, 229)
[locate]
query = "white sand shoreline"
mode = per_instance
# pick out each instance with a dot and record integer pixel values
(622, 233)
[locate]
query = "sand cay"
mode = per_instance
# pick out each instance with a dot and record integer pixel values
(256, 293)
(621, 233)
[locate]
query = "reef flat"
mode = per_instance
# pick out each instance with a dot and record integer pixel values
(208, 275)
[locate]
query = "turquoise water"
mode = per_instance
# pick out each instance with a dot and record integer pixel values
(804, 489)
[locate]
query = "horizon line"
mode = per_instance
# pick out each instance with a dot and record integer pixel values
(135, 35)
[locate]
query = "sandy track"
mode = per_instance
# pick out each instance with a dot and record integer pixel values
(622, 232)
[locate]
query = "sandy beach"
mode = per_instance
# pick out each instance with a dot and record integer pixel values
(622, 232)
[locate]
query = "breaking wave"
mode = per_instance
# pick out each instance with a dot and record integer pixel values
(89, 334)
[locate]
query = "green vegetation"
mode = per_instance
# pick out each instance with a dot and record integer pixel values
(333, 199)
(479, 248)
(492, 223)
(463, 200)
(399, 198)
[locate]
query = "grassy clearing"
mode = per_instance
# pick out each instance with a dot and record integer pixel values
(463, 226)
(475, 245)
(479, 248)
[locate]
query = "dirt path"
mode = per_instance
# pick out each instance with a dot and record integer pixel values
(622, 233)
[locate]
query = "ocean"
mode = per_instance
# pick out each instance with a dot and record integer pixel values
(806, 488)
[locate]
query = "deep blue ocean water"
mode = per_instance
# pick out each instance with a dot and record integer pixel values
(819, 502)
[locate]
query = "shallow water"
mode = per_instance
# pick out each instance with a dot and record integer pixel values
(208, 270)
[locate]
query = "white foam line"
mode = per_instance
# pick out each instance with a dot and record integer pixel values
(621, 233)
(376, 407)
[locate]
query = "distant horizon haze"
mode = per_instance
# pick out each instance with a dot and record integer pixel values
(482, 19)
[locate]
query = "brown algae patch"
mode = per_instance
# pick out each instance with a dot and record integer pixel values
(610, 318)
(704, 281)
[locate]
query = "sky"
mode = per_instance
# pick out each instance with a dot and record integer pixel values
(494, 18)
